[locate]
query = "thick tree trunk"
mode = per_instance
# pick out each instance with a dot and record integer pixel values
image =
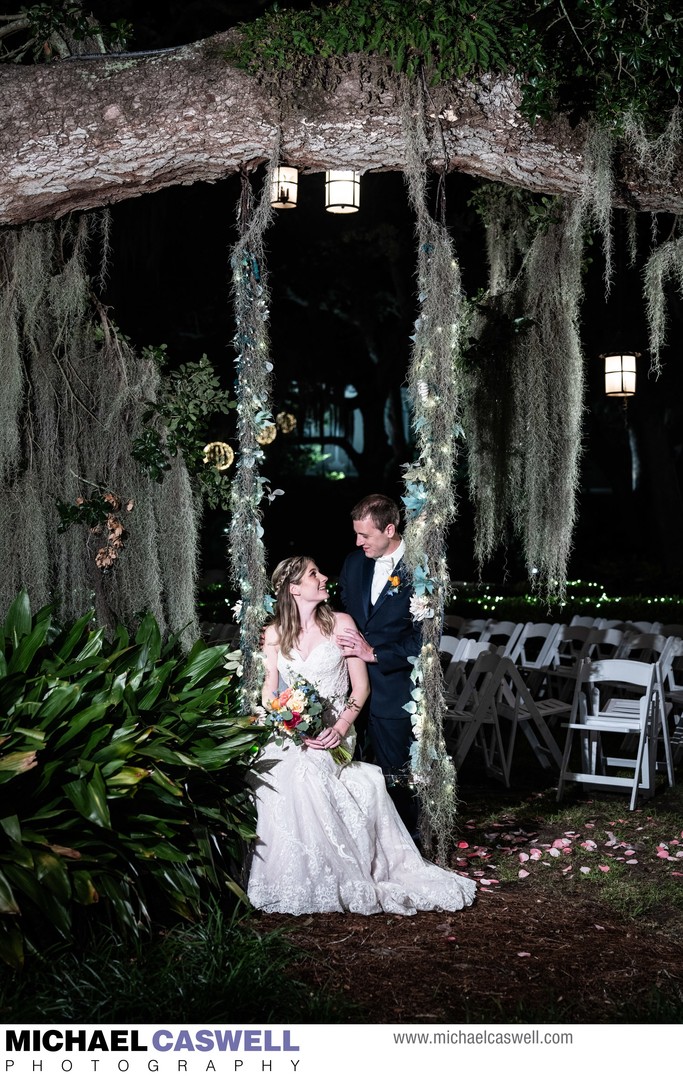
(82, 133)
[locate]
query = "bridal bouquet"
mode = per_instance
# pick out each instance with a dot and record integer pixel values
(296, 713)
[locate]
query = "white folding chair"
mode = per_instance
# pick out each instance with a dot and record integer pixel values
(516, 704)
(471, 718)
(473, 629)
(503, 633)
(598, 723)
(584, 622)
(531, 652)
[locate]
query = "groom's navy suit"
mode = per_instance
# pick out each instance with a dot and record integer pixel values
(389, 629)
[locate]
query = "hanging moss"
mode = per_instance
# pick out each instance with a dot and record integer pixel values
(434, 386)
(247, 554)
(525, 391)
(78, 395)
(665, 264)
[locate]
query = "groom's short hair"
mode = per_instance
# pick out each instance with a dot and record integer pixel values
(381, 510)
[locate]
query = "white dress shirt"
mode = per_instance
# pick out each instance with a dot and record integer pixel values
(384, 567)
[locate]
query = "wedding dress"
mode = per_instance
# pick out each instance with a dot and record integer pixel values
(329, 837)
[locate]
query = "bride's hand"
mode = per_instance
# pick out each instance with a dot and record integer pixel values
(325, 740)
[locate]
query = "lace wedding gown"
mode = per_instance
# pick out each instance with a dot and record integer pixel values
(329, 837)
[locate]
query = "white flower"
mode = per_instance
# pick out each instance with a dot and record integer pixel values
(420, 609)
(296, 702)
(237, 611)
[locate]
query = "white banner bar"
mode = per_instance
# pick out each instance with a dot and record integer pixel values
(318, 1050)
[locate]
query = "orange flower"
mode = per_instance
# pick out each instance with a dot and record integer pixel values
(395, 580)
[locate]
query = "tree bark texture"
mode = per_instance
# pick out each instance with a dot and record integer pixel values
(82, 133)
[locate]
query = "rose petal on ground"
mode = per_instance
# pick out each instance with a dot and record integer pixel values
(585, 870)
(523, 954)
(631, 860)
(677, 874)
(535, 853)
(590, 845)
(522, 874)
(463, 844)
(523, 857)
(554, 852)
(566, 870)
(603, 868)
(629, 851)
(611, 839)
(597, 926)
(679, 855)
(662, 854)
(486, 881)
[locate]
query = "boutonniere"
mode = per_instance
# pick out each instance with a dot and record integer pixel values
(394, 582)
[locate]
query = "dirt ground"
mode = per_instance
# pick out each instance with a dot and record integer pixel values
(527, 950)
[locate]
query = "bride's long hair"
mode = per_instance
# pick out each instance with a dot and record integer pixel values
(286, 617)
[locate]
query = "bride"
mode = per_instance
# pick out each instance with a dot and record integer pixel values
(329, 836)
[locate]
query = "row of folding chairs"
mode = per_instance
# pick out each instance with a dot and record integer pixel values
(488, 700)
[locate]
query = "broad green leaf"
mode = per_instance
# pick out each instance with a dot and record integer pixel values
(93, 645)
(11, 944)
(51, 871)
(127, 775)
(81, 720)
(74, 636)
(89, 797)
(18, 620)
(12, 827)
(8, 905)
(148, 637)
(201, 661)
(61, 698)
(16, 762)
(85, 891)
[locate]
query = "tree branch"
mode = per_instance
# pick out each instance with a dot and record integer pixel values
(87, 132)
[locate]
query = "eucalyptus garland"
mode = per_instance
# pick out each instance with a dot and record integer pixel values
(253, 393)
(429, 499)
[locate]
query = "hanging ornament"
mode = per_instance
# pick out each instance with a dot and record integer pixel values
(267, 434)
(286, 423)
(219, 455)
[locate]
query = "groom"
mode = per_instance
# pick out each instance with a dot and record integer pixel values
(376, 592)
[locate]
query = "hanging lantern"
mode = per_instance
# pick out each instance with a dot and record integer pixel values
(286, 423)
(620, 373)
(219, 455)
(284, 188)
(342, 191)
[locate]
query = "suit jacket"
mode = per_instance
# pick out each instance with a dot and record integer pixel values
(388, 627)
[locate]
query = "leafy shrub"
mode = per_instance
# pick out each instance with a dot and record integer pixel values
(122, 779)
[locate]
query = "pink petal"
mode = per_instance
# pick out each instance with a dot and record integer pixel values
(662, 854)
(523, 857)
(585, 870)
(598, 927)
(590, 845)
(566, 870)
(523, 954)
(679, 855)
(536, 853)
(522, 874)
(485, 881)
(554, 852)
(603, 869)
(631, 860)
(677, 874)
(463, 844)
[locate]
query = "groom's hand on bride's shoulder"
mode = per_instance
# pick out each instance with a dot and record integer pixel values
(353, 645)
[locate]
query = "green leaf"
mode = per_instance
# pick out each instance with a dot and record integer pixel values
(8, 904)
(25, 652)
(89, 797)
(18, 620)
(90, 715)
